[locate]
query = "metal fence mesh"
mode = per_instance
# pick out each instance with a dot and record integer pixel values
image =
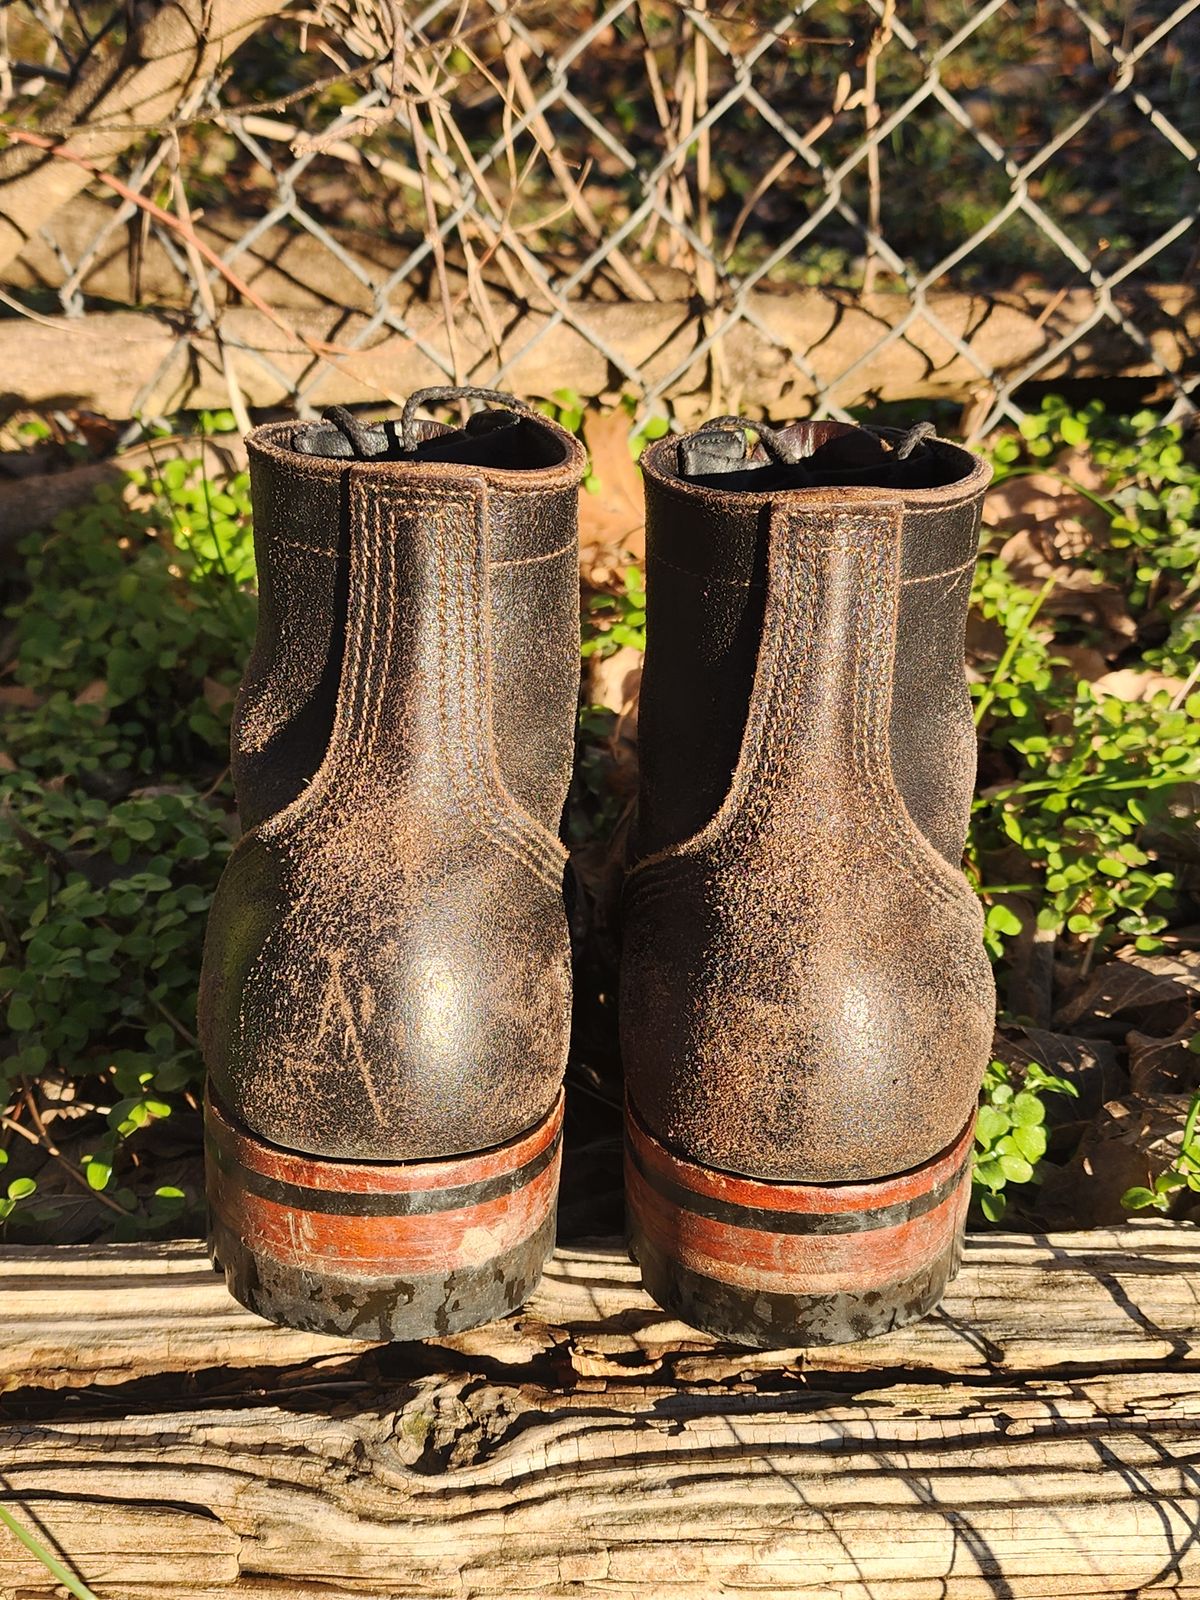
(778, 207)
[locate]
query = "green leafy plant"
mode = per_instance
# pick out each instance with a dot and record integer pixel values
(1085, 809)
(18, 1190)
(1010, 1133)
(1094, 774)
(611, 621)
(566, 407)
(114, 800)
(593, 809)
(1151, 499)
(647, 431)
(1183, 1173)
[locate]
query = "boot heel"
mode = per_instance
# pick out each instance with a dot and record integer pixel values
(381, 1250)
(775, 1264)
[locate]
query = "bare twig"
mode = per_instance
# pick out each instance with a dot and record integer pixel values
(215, 784)
(577, 199)
(769, 177)
(30, 316)
(706, 269)
(169, 1016)
(320, 349)
(871, 119)
(1185, 688)
(44, 1139)
(335, 142)
(237, 403)
(181, 122)
(408, 95)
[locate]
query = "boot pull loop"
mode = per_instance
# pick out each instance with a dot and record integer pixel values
(449, 393)
(777, 447)
(356, 435)
(781, 450)
(916, 435)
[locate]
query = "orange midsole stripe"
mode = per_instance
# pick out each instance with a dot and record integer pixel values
(815, 1198)
(439, 1242)
(380, 1177)
(791, 1263)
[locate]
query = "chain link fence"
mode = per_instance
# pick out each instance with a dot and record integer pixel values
(787, 209)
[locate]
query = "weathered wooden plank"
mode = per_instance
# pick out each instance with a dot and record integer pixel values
(1039, 1438)
(460, 1487)
(891, 352)
(105, 1314)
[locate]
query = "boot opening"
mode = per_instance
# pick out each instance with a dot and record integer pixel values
(811, 455)
(504, 439)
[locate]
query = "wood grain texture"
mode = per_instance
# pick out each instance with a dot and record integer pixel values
(1038, 1437)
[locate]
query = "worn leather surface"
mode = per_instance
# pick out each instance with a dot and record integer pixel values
(804, 994)
(386, 968)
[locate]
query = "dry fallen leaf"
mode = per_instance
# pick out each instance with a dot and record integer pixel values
(1084, 660)
(1164, 1066)
(1128, 684)
(1126, 994)
(1051, 526)
(20, 696)
(1082, 468)
(1033, 555)
(611, 521)
(1092, 1065)
(614, 680)
(1182, 965)
(216, 694)
(1069, 522)
(92, 694)
(1130, 1143)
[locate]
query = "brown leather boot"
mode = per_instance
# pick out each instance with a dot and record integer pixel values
(806, 1007)
(385, 1000)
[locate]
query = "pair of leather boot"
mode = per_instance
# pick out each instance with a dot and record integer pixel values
(805, 1002)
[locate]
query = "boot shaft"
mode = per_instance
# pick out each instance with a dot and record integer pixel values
(859, 585)
(418, 619)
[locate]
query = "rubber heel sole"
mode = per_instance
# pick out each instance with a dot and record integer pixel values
(379, 1250)
(774, 1265)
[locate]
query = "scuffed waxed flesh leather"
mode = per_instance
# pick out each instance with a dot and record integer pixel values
(804, 993)
(706, 569)
(932, 728)
(284, 709)
(386, 968)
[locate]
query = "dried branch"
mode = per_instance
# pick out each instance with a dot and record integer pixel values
(323, 350)
(871, 119)
(172, 56)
